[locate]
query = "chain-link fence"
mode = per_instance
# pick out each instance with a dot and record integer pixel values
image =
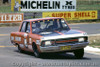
(88, 5)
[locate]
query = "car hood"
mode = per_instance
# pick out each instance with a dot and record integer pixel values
(61, 34)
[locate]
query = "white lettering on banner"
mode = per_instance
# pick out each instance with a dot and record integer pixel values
(48, 5)
(11, 17)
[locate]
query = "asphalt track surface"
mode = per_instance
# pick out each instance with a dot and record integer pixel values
(10, 57)
(89, 28)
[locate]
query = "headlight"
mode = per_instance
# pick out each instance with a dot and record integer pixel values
(38, 42)
(81, 39)
(48, 43)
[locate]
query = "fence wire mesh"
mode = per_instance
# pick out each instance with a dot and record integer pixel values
(88, 5)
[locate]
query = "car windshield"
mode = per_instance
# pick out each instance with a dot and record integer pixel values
(49, 25)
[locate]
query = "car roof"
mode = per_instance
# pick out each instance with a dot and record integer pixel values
(37, 19)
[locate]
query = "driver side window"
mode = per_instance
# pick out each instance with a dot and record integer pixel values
(25, 27)
(28, 27)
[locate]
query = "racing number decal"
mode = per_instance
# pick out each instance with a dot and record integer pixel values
(30, 40)
(18, 38)
(25, 42)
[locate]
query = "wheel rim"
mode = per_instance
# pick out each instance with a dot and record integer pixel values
(36, 53)
(19, 49)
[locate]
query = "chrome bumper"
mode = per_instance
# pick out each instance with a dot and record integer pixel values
(58, 47)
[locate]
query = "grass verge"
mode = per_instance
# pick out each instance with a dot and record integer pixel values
(94, 41)
(5, 8)
(9, 24)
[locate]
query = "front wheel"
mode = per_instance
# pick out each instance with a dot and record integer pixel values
(19, 49)
(36, 52)
(79, 53)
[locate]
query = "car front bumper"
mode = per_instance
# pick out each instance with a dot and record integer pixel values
(58, 47)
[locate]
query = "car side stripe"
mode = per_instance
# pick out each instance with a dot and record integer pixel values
(59, 33)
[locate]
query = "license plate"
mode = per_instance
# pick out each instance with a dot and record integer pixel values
(65, 48)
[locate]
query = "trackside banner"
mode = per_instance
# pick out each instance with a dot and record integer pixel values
(73, 15)
(43, 5)
(11, 17)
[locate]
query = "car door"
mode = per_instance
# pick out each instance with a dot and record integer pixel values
(25, 30)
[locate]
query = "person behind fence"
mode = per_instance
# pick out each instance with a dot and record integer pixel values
(17, 5)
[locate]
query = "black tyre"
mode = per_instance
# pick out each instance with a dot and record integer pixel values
(19, 49)
(79, 53)
(36, 52)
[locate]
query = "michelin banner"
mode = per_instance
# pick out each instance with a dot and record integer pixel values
(43, 5)
(73, 15)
